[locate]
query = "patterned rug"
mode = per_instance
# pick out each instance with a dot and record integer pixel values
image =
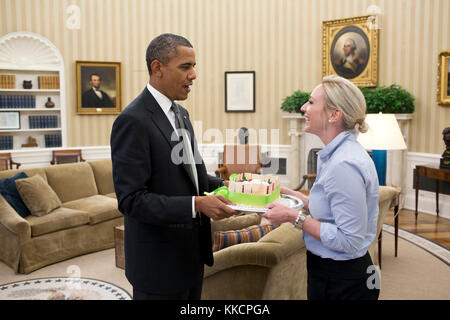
(62, 289)
(439, 251)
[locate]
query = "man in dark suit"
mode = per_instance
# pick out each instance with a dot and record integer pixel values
(94, 97)
(167, 222)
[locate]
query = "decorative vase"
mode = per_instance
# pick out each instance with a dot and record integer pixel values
(27, 84)
(49, 103)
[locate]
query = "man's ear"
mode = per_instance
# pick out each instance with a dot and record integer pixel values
(156, 68)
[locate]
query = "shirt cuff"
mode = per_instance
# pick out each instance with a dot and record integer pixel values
(194, 214)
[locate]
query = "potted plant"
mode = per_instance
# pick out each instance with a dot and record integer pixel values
(392, 99)
(295, 101)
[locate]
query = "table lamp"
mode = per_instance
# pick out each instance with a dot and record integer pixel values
(383, 134)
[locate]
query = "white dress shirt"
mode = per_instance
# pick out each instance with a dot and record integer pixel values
(98, 93)
(166, 104)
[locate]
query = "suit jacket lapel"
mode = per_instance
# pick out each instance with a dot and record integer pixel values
(160, 120)
(158, 117)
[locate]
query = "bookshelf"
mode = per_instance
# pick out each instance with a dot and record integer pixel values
(28, 79)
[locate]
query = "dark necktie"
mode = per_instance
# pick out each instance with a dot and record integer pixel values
(188, 156)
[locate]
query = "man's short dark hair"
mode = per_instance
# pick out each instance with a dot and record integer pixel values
(163, 48)
(95, 74)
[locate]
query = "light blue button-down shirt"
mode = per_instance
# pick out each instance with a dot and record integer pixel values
(344, 198)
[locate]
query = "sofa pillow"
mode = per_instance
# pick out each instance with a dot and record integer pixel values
(9, 191)
(223, 239)
(38, 196)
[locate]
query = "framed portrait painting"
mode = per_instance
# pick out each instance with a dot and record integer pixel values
(98, 87)
(443, 87)
(240, 91)
(350, 50)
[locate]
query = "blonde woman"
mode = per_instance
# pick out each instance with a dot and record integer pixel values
(343, 202)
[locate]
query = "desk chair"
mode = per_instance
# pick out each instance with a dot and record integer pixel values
(238, 159)
(6, 162)
(66, 156)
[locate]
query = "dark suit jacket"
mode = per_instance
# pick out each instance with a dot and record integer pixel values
(164, 249)
(91, 100)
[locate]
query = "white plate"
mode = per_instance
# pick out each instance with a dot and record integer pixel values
(288, 200)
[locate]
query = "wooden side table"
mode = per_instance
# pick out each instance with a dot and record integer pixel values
(394, 204)
(431, 171)
(120, 253)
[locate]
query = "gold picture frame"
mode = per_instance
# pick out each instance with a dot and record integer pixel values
(443, 86)
(98, 87)
(350, 49)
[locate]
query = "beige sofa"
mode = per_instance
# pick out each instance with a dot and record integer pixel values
(84, 222)
(273, 267)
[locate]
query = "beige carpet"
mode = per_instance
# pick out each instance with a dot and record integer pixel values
(414, 274)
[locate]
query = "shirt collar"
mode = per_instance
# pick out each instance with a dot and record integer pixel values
(162, 100)
(329, 149)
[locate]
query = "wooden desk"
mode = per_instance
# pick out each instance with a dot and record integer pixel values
(431, 171)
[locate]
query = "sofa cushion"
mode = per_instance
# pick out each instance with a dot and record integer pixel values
(111, 195)
(103, 175)
(29, 172)
(99, 208)
(9, 192)
(71, 181)
(39, 198)
(223, 239)
(58, 219)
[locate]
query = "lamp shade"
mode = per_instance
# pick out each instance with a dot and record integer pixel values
(383, 134)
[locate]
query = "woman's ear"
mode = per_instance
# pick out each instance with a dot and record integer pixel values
(336, 115)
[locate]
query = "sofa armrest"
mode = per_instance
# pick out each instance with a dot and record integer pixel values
(267, 252)
(13, 222)
(237, 222)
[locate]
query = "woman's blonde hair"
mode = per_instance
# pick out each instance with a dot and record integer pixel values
(343, 95)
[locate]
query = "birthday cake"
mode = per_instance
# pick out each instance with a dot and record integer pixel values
(251, 189)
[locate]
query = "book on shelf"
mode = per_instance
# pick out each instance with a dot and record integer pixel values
(6, 142)
(48, 82)
(43, 122)
(17, 102)
(7, 81)
(53, 140)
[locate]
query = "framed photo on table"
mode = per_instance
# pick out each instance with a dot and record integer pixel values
(240, 91)
(443, 86)
(98, 87)
(9, 120)
(350, 50)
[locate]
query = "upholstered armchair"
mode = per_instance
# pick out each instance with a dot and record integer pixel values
(238, 159)
(274, 267)
(387, 196)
